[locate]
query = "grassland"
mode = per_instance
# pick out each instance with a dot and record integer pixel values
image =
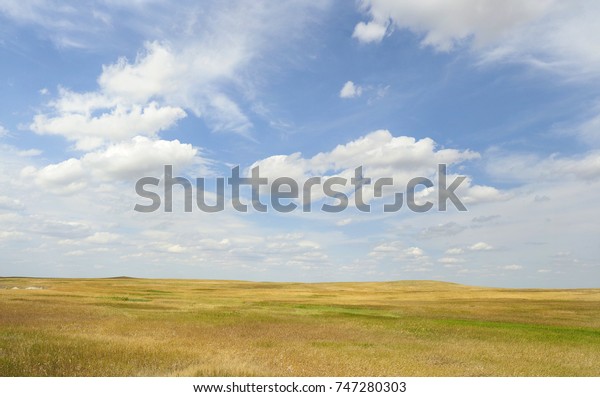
(142, 327)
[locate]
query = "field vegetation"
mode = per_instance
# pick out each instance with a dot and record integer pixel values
(146, 327)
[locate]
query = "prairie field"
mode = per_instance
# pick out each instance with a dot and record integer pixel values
(149, 327)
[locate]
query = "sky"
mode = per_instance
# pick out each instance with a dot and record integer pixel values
(95, 95)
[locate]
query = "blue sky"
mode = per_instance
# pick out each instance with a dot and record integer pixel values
(97, 94)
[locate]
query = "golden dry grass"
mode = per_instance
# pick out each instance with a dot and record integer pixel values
(131, 327)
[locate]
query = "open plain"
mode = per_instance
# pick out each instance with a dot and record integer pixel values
(150, 327)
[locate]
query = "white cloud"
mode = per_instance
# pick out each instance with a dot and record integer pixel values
(442, 230)
(238, 247)
(344, 222)
(398, 251)
(414, 252)
(369, 32)
(382, 156)
(532, 168)
(97, 23)
(484, 218)
(350, 90)
(450, 260)
(57, 228)
(404, 259)
(150, 94)
(382, 150)
(481, 246)
(10, 203)
(9, 235)
(128, 160)
(122, 122)
(65, 177)
(175, 249)
(205, 64)
(394, 246)
(444, 23)
(561, 41)
(379, 152)
(3, 131)
(52, 15)
(139, 157)
(29, 153)
(547, 34)
(186, 77)
(102, 238)
(512, 267)
(589, 130)
(472, 194)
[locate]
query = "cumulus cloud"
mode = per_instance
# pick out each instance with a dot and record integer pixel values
(350, 90)
(126, 103)
(121, 122)
(481, 246)
(512, 267)
(127, 160)
(64, 177)
(394, 246)
(186, 77)
(3, 131)
(450, 260)
(382, 156)
(372, 31)
(415, 252)
(204, 65)
(102, 238)
(207, 63)
(405, 259)
(9, 235)
(379, 152)
(175, 248)
(138, 157)
(476, 194)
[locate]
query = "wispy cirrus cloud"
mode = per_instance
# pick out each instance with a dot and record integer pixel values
(548, 34)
